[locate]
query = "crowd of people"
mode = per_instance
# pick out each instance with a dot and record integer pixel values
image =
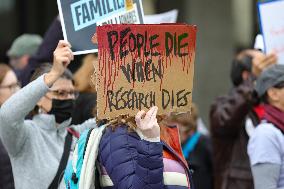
(48, 100)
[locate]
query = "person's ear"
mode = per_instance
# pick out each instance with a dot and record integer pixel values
(44, 104)
(245, 75)
(272, 94)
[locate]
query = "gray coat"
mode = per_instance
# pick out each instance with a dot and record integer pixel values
(35, 146)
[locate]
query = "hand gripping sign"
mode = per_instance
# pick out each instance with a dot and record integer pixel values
(141, 66)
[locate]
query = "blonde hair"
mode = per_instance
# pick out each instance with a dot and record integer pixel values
(130, 122)
(4, 69)
(84, 77)
(187, 119)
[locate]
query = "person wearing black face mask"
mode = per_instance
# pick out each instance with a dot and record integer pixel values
(62, 109)
(23, 48)
(40, 148)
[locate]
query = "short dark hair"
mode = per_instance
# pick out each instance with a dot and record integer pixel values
(46, 67)
(240, 63)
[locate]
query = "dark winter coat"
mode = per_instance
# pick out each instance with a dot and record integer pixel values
(227, 120)
(128, 162)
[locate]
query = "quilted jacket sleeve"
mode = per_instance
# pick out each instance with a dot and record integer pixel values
(131, 162)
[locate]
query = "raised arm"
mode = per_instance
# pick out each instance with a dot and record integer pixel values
(229, 112)
(13, 131)
(13, 112)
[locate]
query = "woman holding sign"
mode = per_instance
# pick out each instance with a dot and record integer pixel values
(150, 157)
(129, 152)
(139, 151)
(40, 148)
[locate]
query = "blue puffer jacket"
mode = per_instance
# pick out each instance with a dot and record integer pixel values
(126, 161)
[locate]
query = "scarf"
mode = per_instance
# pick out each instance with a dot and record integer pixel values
(274, 115)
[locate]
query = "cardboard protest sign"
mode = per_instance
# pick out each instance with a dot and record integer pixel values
(144, 65)
(79, 19)
(166, 17)
(271, 16)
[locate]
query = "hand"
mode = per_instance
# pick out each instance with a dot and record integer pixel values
(261, 61)
(62, 56)
(148, 125)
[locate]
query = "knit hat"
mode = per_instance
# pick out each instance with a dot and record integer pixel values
(270, 77)
(26, 44)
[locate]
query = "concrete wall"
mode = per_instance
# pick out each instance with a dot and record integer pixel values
(215, 46)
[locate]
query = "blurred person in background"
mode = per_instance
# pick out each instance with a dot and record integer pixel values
(266, 145)
(44, 52)
(8, 86)
(232, 120)
(85, 84)
(196, 147)
(40, 148)
(20, 53)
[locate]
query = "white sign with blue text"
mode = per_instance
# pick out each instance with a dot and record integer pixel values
(79, 19)
(271, 17)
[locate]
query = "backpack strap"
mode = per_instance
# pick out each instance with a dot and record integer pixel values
(88, 170)
(63, 162)
(73, 132)
(190, 144)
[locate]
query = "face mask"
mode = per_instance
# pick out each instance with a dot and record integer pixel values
(19, 73)
(62, 109)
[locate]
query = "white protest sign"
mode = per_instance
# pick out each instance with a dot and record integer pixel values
(166, 17)
(271, 16)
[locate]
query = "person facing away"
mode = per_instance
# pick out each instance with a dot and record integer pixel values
(37, 146)
(20, 52)
(85, 84)
(266, 145)
(196, 147)
(8, 86)
(140, 152)
(232, 120)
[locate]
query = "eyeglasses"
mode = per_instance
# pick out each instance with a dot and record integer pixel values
(12, 87)
(64, 94)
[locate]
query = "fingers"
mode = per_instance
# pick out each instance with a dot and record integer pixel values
(267, 61)
(151, 113)
(262, 61)
(271, 59)
(63, 43)
(63, 54)
(66, 51)
(139, 115)
(64, 48)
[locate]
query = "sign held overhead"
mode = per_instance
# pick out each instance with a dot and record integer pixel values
(272, 26)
